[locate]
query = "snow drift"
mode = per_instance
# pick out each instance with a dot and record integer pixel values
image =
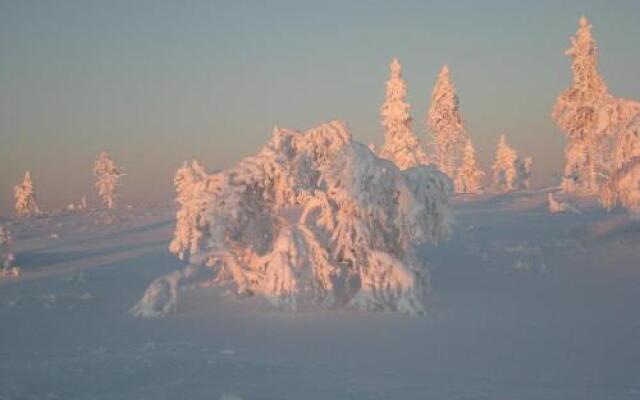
(314, 219)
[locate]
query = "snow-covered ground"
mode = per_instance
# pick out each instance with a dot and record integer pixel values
(525, 305)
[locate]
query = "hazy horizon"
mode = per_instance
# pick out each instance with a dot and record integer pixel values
(155, 83)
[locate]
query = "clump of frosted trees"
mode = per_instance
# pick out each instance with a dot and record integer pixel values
(107, 176)
(313, 220)
(510, 172)
(602, 130)
(25, 204)
(6, 255)
(453, 152)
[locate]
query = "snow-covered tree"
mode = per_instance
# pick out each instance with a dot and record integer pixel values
(468, 176)
(6, 255)
(523, 169)
(25, 204)
(189, 181)
(448, 135)
(314, 219)
(590, 116)
(576, 112)
(400, 146)
(108, 174)
(505, 174)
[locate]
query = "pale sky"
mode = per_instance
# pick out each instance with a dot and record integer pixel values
(157, 82)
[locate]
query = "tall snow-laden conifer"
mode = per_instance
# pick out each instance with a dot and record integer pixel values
(579, 113)
(448, 135)
(25, 204)
(400, 146)
(107, 174)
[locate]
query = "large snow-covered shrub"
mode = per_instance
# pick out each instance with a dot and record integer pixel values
(314, 219)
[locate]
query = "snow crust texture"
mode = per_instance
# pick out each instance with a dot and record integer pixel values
(313, 220)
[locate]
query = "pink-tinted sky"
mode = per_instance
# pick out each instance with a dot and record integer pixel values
(157, 82)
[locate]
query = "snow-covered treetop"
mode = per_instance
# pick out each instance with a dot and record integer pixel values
(444, 116)
(584, 53)
(105, 165)
(395, 110)
(576, 109)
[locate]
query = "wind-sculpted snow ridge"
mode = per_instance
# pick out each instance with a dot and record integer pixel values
(313, 220)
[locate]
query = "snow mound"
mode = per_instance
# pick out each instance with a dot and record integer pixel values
(313, 220)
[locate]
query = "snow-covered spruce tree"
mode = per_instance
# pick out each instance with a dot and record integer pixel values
(504, 167)
(468, 176)
(25, 204)
(6, 255)
(448, 135)
(576, 112)
(189, 181)
(107, 174)
(400, 146)
(313, 220)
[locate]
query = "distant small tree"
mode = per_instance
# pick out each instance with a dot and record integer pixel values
(400, 146)
(448, 136)
(108, 174)
(504, 167)
(25, 198)
(523, 168)
(468, 177)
